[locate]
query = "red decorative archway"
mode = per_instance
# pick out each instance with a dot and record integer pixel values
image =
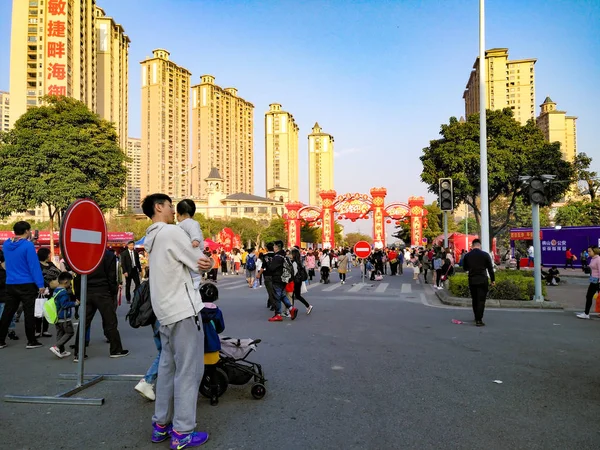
(355, 207)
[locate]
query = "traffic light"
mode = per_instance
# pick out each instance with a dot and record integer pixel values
(537, 193)
(446, 194)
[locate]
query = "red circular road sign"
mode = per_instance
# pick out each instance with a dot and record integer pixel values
(362, 249)
(83, 236)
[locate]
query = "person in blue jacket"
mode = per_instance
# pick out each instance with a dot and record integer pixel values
(64, 306)
(24, 282)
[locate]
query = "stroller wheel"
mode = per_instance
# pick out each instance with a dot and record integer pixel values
(258, 391)
(222, 382)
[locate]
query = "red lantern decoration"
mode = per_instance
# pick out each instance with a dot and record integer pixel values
(398, 223)
(353, 220)
(388, 221)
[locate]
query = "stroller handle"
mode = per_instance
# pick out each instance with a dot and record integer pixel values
(256, 341)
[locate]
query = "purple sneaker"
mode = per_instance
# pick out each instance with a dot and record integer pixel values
(181, 441)
(161, 433)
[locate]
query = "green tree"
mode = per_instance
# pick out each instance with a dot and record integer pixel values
(513, 150)
(57, 153)
(579, 213)
(275, 231)
(589, 178)
(309, 234)
(129, 223)
(472, 228)
(353, 238)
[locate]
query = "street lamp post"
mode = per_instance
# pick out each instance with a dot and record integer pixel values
(483, 165)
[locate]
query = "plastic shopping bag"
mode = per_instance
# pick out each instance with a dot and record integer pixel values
(303, 288)
(597, 302)
(39, 307)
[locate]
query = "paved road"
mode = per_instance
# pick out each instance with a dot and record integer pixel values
(377, 368)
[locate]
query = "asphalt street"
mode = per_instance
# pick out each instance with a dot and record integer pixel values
(371, 368)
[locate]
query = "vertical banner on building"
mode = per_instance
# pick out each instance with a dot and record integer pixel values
(378, 195)
(293, 223)
(328, 235)
(417, 213)
(56, 46)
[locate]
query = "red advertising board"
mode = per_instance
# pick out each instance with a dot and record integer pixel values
(362, 249)
(83, 236)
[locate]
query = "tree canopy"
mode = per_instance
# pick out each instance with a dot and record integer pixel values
(578, 213)
(353, 238)
(514, 150)
(589, 178)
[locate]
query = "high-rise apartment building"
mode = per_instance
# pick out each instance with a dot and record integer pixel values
(222, 137)
(281, 154)
(558, 127)
(52, 52)
(320, 164)
(134, 174)
(4, 111)
(508, 84)
(165, 126)
(112, 59)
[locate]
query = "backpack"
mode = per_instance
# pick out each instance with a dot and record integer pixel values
(251, 263)
(302, 275)
(288, 270)
(50, 309)
(140, 313)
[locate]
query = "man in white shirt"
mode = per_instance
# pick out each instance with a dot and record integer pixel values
(530, 253)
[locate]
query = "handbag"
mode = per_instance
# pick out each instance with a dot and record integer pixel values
(39, 307)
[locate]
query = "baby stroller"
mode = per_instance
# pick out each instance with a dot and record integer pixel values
(234, 368)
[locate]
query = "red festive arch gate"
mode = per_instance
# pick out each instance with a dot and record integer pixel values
(355, 207)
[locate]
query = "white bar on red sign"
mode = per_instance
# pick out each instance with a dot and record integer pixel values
(86, 236)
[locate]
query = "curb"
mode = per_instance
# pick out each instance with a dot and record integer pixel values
(492, 303)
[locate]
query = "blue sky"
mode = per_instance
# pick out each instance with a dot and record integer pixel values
(380, 76)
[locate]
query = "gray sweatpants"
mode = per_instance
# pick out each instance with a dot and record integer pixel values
(180, 372)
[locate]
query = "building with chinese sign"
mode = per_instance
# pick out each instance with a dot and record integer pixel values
(222, 137)
(4, 111)
(134, 174)
(281, 154)
(165, 126)
(320, 164)
(112, 59)
(52, 52)
(508, 84)
(558, 127)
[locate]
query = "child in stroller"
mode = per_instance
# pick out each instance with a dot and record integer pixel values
(229, 365)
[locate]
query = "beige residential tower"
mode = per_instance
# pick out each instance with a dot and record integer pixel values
(222, 138)
(134, 174)
(165, 126)
(558, 127)
(281, 155)
(508, 84)
(112, 59)
(4, 111)
(320, 164)
(52, 52)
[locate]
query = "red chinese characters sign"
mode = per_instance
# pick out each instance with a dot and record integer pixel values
(56, 47)
(522, 235)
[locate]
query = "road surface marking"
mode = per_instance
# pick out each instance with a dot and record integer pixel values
(332, 287)
(381, 288)
(406, 288)
(86, 236)
(356, 288)
(236, 285)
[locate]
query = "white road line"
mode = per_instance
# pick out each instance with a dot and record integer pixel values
(332, 287)
(381, 288)
(86, 236)
(356, 288)
(406, 288)
(312, 285)
(236, 286)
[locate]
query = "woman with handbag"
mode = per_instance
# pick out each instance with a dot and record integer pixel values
(447, 270)
(299, 274)
(594, 285)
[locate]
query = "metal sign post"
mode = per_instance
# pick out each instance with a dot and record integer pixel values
(537, 253)
(83, 239)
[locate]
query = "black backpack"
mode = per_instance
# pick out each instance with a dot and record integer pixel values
(302, 274)
(141, 314)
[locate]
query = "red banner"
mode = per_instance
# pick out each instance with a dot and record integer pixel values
(522, 235)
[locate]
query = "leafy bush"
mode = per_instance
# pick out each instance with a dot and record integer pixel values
(510, 285)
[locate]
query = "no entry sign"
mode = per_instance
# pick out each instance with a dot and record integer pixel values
(362, 249)
(83, 236)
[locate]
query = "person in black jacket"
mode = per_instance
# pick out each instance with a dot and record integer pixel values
(477, 263)
(130, 263)
(102, 288)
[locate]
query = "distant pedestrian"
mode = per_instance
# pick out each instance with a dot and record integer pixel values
(477, 263)
(282, 273)
(132, 268)
(24, 282)
(177, 307)
(584, 260)
(342, 266)
(426, 265)
(310, 265)
(530, 253)
(50, 273)
(298, 282)
(569, 258)
(594, 285)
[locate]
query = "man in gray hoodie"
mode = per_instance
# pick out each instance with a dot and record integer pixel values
(177, 307)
